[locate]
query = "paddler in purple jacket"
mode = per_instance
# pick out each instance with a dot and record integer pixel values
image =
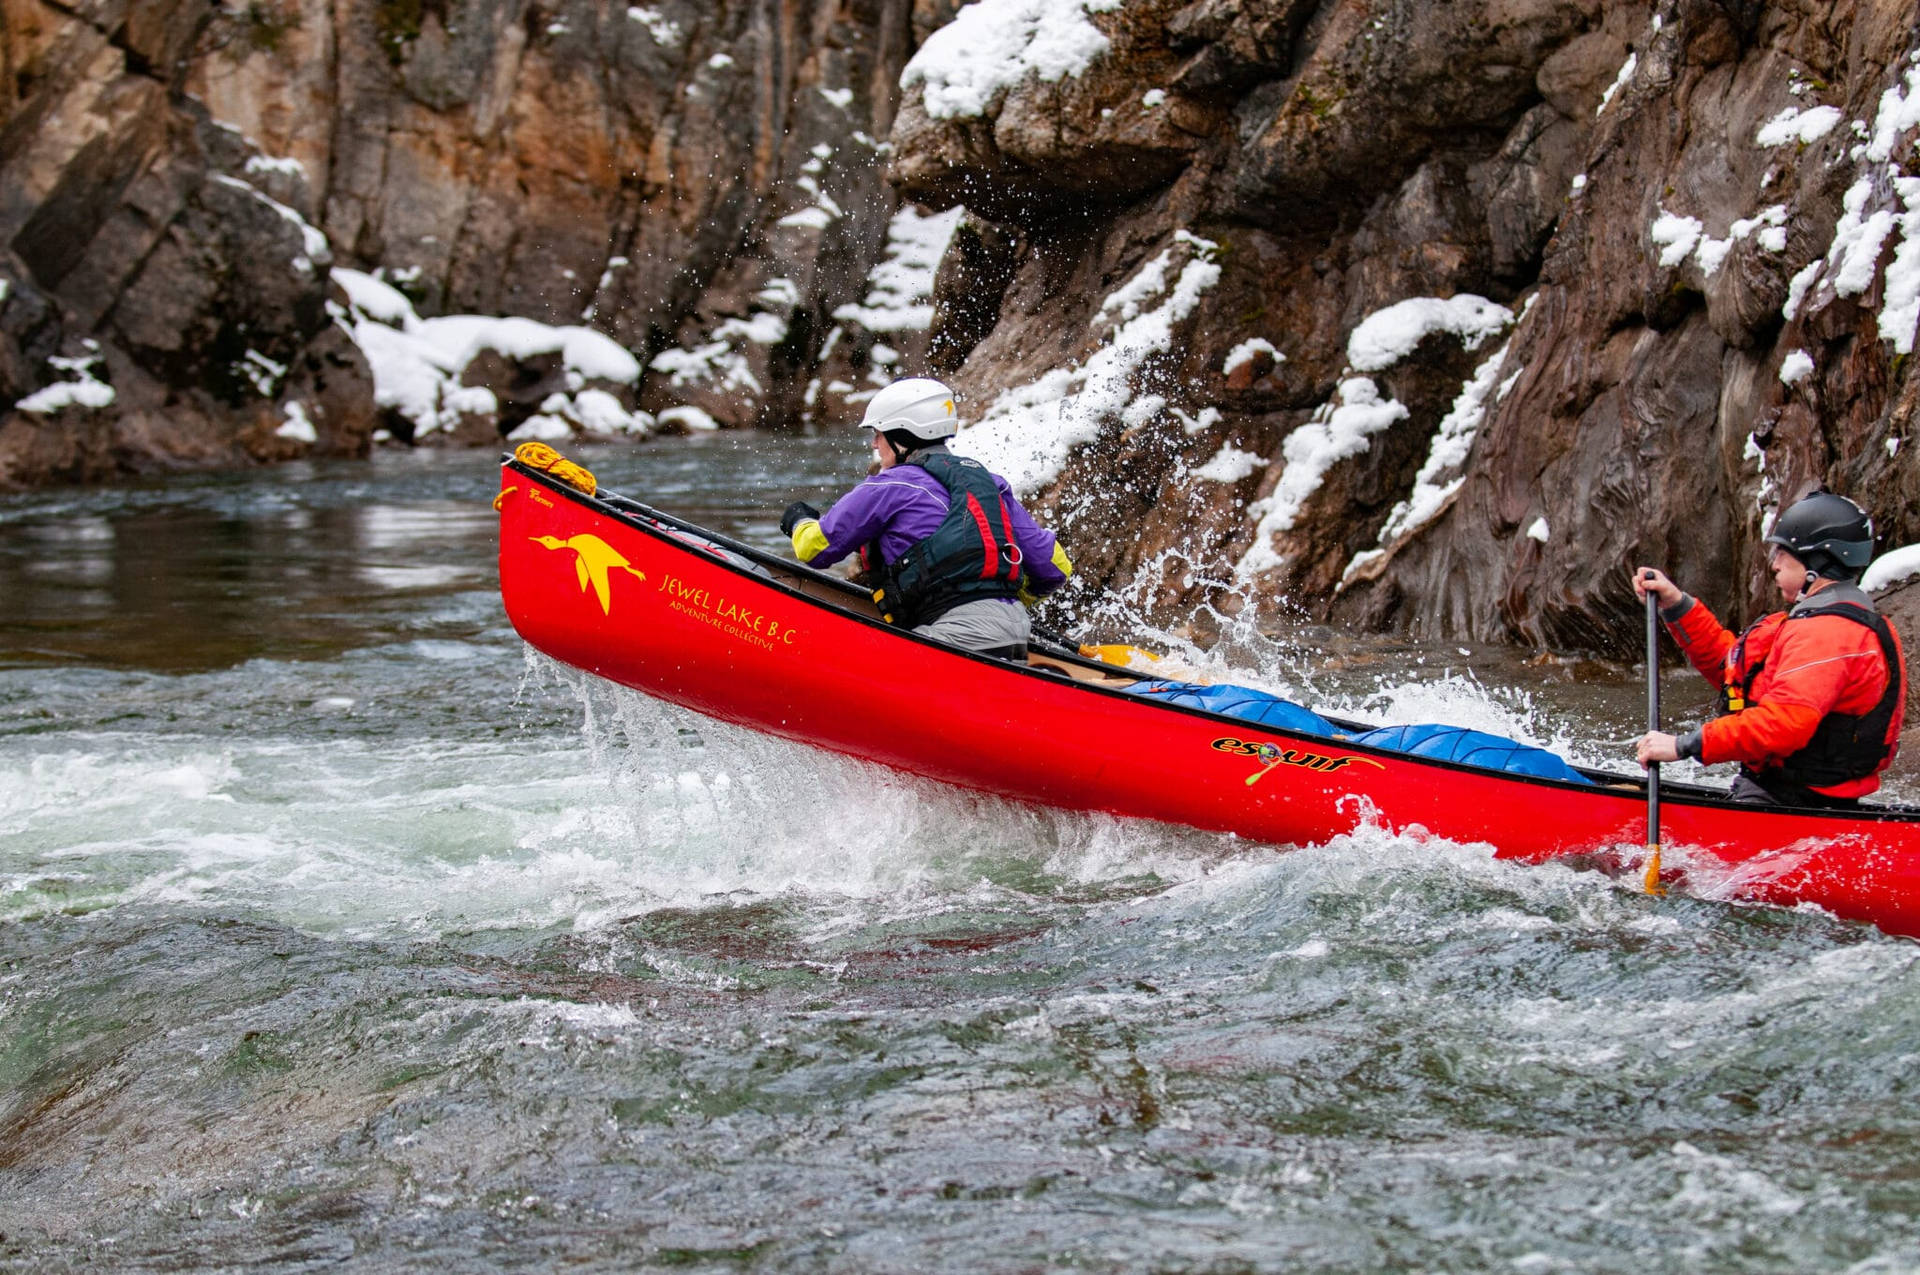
(948, 550)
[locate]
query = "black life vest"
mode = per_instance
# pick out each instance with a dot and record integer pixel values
(1845, 746)
(969, 556)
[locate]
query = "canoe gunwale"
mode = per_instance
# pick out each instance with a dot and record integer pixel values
(1607, 785)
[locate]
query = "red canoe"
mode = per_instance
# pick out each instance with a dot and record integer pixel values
(644, 599)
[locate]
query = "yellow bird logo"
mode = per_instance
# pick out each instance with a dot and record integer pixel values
(595, 559)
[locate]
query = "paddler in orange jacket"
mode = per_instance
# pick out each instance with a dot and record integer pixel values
(1813, 697)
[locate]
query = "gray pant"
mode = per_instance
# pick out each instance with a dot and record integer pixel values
(991, 624)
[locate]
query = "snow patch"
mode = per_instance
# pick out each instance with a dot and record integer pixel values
(280, 165)
(1206, 418)
(416, 363)
(1898, 113)
(1340, 429)
(1027, 433)
(85, 390)
(297, 425)
(1857, 241)
(664, 32)
(1900, 307)
(1795, 125)
(815, 218)
(1389, 335)
(1620, 81)
(1891, 568)
(689, 418)
(992, 45)
(315, 249)
(1440, 476)
(900, 287)
(1678, 234)
(1245, 352)
(1230, 465)
(1796, 367)
(1539, 530)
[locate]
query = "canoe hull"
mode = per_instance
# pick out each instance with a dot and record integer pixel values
(636, 604)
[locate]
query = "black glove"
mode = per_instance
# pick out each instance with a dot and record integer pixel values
(798, 512)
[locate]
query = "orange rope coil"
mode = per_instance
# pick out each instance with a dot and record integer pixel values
(542, 457)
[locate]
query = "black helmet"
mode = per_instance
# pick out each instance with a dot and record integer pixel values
(1829, 533)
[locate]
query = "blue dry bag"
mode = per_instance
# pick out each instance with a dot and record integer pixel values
(1237, 701)
(1472, 748)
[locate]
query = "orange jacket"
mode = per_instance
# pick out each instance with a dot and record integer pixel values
(1800, 671)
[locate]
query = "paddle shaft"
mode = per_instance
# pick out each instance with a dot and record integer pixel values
(1653, 724)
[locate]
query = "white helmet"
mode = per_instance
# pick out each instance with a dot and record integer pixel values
(921, 407)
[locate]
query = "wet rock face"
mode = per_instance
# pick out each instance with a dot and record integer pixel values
(700, 182)
(158, 309)
(1545, 288)
(1432, 316)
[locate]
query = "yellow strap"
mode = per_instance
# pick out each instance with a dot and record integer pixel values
(501, 499)
(544, 458)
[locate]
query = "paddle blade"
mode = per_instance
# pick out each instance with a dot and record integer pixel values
(1116, 653)
(1652, 881)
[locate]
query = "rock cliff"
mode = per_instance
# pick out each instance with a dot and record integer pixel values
(1427, 316)
(1435, 317)
(704, 184)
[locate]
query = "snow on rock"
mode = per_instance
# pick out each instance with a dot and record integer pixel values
(1795, 125)
(1620, 81)
(283, 166)
(316, 251)
(1891, 568)
(1539, 530)
(85, 390)
(1898, 113)
(541, 428)
(992, 45)
(1027, 433)
(1441, 475)
(663, 31)
(1677, 235)
(814, 218)
(297, 425)
(720, 362)
(691, 419)
(1340, 429)
(1387, 336)
(1795, 367)
(416, 363)
(1856, 242)
(1229, 465)
(900, 287)
(1245, 352)
(1205, 418)
(1881, 201)
(1900, 308)
(1771, 222)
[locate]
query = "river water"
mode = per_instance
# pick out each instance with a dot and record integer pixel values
(337, 928)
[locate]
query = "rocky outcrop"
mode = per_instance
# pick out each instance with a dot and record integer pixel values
(1428, 317)
(157, 307)
(702, 184)
(1436, 317)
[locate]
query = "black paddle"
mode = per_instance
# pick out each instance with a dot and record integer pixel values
(1653, 885)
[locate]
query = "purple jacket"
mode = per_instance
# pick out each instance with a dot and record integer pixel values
(902, 506)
